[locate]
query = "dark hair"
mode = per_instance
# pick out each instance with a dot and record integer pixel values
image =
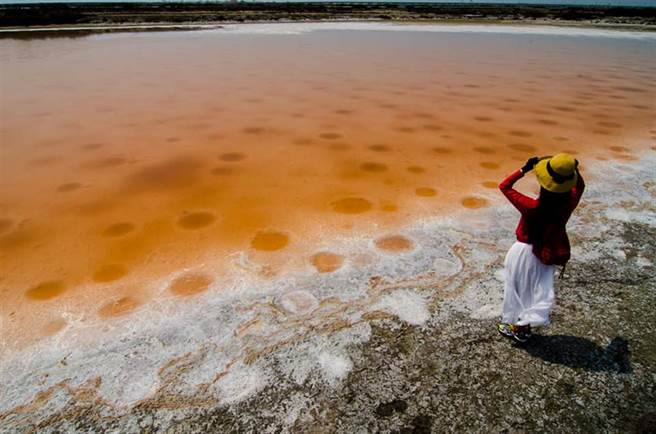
(548, 211)
(551, 202)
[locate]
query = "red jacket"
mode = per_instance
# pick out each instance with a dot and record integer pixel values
(556, 239)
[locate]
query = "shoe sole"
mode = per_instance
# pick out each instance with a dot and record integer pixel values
(505, 335)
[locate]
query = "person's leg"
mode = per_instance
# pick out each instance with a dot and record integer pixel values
(512, 305)
(538, 296)
(524, 275)
(537, 313)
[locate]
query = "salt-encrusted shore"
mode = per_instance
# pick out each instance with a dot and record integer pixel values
(405, 343)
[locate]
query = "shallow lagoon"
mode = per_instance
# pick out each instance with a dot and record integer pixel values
(140, 167)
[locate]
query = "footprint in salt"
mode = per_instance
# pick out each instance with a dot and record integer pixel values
(298, 302)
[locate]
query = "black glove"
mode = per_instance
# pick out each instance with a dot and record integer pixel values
(530, 163)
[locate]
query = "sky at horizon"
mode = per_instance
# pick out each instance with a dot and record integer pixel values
(649, 3)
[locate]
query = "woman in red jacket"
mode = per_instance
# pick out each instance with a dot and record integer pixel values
(541, 243)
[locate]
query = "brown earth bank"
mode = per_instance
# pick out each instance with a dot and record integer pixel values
(140, 13)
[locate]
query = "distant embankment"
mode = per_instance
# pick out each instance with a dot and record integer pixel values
(175, 13)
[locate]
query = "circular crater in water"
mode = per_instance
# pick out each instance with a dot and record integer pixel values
(118, 229)
(484, 150)
(269, 241)
(379, 148)
(426, 192)
(415, 169)
(196, 220)
(394, 244)
(69, 186)
(441, 150)
(522, 147)
(327, 262)
(330, 136)
(232, 157)
(121, 306)
(473, 202)
(222, 171)
(618, 149)
(489, 165)
(46, 290)
(351, 205)
(370, 166)
(190, 284)
(520, 133)
(432, 127)
(5, 225)
(253, 130)
(109, 273)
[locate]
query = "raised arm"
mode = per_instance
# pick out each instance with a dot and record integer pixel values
(577, 191)
(519, 201)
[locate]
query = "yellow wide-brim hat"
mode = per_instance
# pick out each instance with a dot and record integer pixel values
(556, 174)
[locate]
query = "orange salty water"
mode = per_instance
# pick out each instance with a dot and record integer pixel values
(127, 159)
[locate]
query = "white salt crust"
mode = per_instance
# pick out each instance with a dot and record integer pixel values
(213, 335)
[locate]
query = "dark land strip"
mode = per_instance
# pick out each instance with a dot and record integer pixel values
(125, 14)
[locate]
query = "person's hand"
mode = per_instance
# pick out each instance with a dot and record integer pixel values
(530, 163)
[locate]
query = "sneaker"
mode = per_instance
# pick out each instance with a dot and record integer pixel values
(505, 329)
(522, 333)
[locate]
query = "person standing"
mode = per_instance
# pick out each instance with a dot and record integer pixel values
(542, 242)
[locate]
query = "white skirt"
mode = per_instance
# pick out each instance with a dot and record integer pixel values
(529, 288)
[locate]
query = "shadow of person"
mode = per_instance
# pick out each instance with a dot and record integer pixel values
(577, 352)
